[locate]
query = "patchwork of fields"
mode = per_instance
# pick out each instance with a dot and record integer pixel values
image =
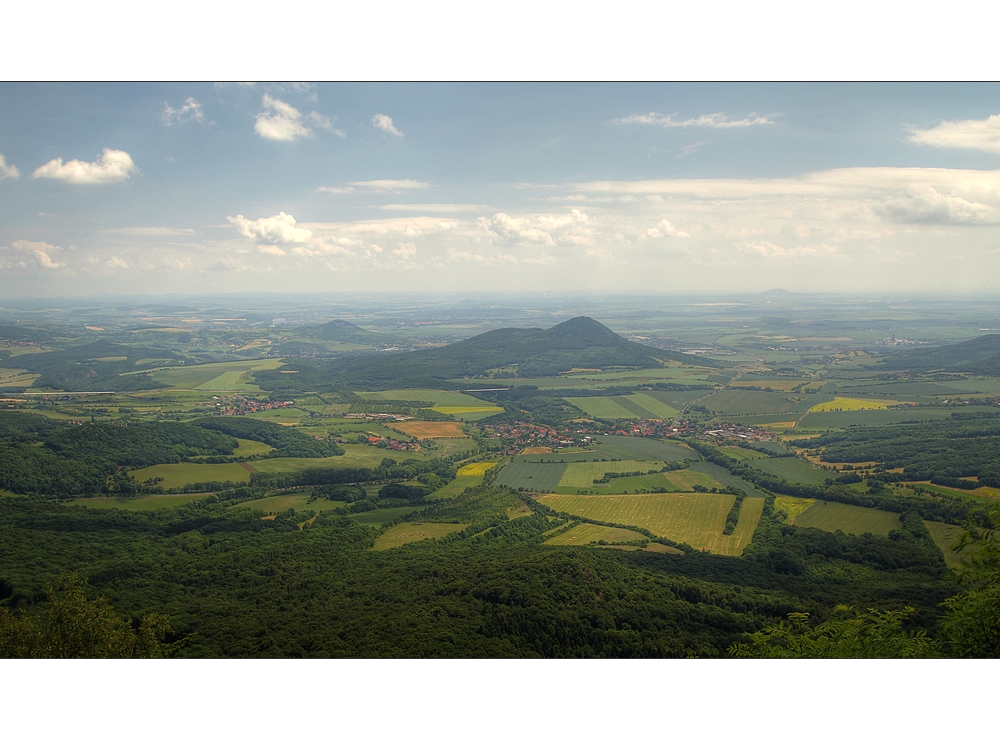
(638, 405)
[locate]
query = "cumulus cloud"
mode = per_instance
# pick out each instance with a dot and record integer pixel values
(545, 230)
(405, 250)
(190, 111)
(971, 134)
(383, 122)
(664, 228)
(116, 263)
(7, 171)
(279, 228)
(285, 123)
(766, 248)
(718, 120)
(928, 205)
(379, 186)
(23, 253)
(111, 167)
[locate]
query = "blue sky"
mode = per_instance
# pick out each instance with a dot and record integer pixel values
(165, 188)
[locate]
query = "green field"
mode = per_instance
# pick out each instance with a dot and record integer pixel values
(181, 474)
(438, 398)
(633, 406)
(838, 419)
(696, 519)
(456, 487)
(251, 447)
(281, 502)
(644, 448)
(724, 477)
(380, 517)
(400, 535)
(793, 506)
(945, 536)
(734, 451)
(737, 402)
(586, 533)
(582, 475)
(793, 469)
(234, 375)
(136, 504)
(833, 516)
(530, 475)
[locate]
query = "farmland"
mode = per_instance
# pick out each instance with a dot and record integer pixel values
(530, 475)
(181, 474)
(430, 430)
(793, 469)
(851, 404)
(793, 506)
(624, 407)
(696, 519)
(833, 516)
(138, 504)
(216, 376)
(583, 474)
(404, 533)
(586, 533)
(738, 402)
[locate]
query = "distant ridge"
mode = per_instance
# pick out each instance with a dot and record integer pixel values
(980, 356)
(579, 342)
(340, 330)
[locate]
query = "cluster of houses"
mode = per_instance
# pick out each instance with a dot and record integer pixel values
(241, 405)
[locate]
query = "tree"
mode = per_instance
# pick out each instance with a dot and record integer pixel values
(848, 634)
(71, 626)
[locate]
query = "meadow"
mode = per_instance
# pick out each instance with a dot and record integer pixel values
(11, 377)
(400, 535)
(436, 397)
(833, 516)
(696, 519)
(945, 537)
(724, 477)
(531, 475)
(587, 533)
(851, 404)
(138, 504)
(181, 474)
(214, 376)
(793, 506)
(298, 500)
(793, 469)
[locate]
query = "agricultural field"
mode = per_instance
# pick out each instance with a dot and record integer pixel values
(793, 469)
(842, 419)
(436, 397)
(138, 504)
(735, 451)
(380, 517)
(582, 474)
(736, 402)
(251, 447)
(793, 506)
(298, 500)
(469, 413)
(635, 406)
(476, 469)
(586, 533)
(10, 377)
(181, 474)
(945, 537)
(686, 479)
(722, 476)
(215, 376)
(851, 404)
(455, 487)
(430, 430)
(695, 519)
(400, 535)
(833, 516)
(643, 448)
(530, 475)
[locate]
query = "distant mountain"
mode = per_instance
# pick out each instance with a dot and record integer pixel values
(979, 356)
(578, 343)
(342, 331)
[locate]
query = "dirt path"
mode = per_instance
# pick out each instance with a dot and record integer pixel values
(250, 468)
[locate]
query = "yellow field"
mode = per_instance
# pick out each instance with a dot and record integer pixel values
(404, 533)
(793, 506)
(696, 519)
(851, 404)
(466, 409)
(475, 469)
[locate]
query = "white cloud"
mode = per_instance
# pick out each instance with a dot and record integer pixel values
(111, 167)
(383, 122)
(272, 250)
(971, 134)
(115, 263)
(271, 230)
(285, 123)
(190, 111)
(379, 186)
(545, 230)
(714, 121)
(444, 208)
(154, 231)
(19, 253)
(928, 205)
(405, 250)
(665, 229)
(7, 171)
(766, 248)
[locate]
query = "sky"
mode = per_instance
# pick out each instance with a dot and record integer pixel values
(654, 188)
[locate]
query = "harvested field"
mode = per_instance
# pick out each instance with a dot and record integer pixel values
(582, 475)
(585, 533)
(536, 451)
(430, 430)
(852, 404)
(404, 533)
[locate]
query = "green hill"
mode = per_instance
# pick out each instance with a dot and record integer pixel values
(578, 343)
(342, 331)
(979, 356)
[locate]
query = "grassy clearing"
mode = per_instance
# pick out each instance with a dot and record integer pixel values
(404, 533)
(197, 376)
(181, 474)
(852, 404)
(582, 475)
(686, 479)
(793, 469)
(585, 534)
(833, 516)
(430, 430)
(282, 502)
(521, 510)
(946, 536)
(696, 519)
(137, 504)
(524, 474)
(458, 410)
(380, 517)
(793, 506)
(251, 447)
(456, 487)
